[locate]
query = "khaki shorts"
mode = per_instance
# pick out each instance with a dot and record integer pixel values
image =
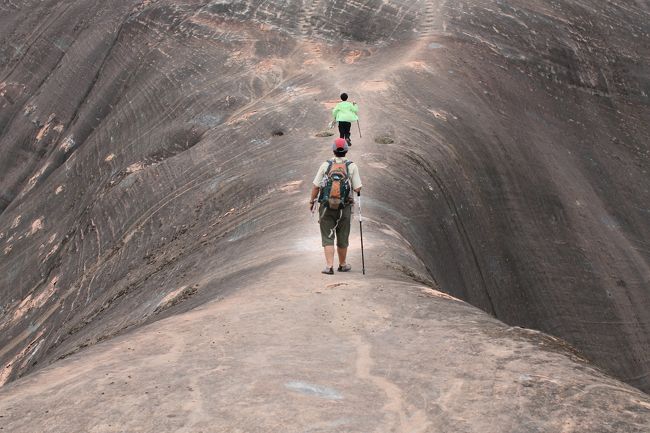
(335, 223)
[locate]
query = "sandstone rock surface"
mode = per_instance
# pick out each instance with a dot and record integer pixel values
(156, 156)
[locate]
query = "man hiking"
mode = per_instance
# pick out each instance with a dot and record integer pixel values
(333, 188)
(345, 113)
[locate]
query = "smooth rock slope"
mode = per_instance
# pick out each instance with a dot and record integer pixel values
(321, 354)
(156, 156)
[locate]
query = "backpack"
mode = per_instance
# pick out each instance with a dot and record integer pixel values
(335, 187)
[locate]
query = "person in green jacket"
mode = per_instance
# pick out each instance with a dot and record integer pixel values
(345, 113)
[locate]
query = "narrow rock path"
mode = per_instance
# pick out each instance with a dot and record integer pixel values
(296, 351)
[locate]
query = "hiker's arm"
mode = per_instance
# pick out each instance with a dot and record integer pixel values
(335, 112)
(355, 107)
(356, 179)
(314, 194)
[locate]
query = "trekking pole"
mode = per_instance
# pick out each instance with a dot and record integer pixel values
(359, 129)
(363, 262)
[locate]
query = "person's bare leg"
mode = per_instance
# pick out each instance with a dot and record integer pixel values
(343, 253)
(329, 256)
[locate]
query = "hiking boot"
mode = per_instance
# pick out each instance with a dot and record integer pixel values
(328, 270)
(344, 268)
(349, 142)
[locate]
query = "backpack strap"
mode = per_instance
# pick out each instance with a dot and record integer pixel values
(347, 174)
(347, 168)
(329, 166)
(322, 191)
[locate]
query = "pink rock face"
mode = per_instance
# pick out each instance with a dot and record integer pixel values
(171, 144)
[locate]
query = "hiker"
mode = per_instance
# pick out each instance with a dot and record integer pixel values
(345, 113)
(333, 188)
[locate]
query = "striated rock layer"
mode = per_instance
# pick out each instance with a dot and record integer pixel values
(156, 153)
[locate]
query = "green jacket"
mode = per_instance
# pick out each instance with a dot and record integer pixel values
(345, 112)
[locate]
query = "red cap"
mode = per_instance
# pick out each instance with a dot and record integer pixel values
(340, 143)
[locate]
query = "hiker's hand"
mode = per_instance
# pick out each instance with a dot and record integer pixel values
(354, 102)
(311, 205)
